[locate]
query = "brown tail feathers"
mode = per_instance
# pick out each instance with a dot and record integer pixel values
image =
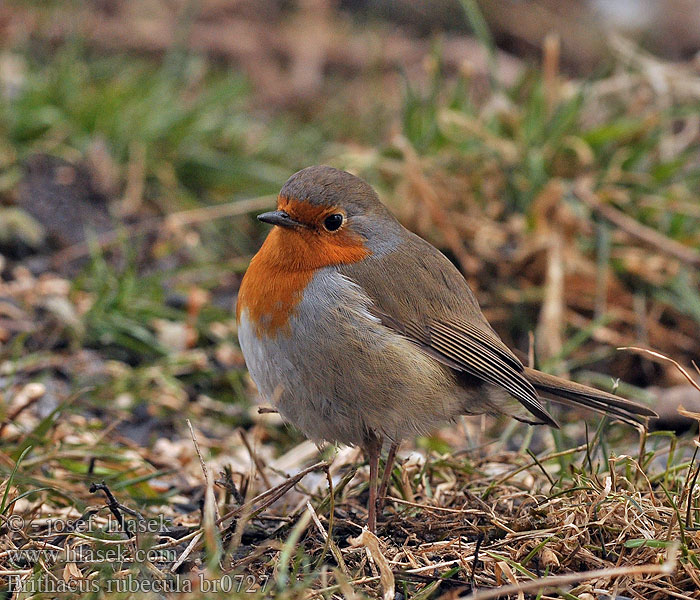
(576, 394)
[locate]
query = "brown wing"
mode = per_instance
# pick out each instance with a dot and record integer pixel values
(432, 305)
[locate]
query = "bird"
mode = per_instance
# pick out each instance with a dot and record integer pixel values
(359, 331)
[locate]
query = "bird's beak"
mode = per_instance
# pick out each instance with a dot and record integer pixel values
(279, 217)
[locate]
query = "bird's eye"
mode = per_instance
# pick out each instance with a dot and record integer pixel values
(333, 222)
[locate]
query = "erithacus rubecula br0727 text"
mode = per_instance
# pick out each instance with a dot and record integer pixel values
(359, 331)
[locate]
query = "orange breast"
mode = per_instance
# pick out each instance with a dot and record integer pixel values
(278, 274)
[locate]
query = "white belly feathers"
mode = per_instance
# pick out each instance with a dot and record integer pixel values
(337, 395)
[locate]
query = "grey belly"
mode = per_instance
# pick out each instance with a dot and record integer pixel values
(341, 373)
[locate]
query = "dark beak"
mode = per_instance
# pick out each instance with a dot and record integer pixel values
(279, 217)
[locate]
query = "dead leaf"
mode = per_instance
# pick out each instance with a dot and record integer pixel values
(386, 577)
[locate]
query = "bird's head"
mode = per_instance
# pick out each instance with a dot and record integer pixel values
(328, 217)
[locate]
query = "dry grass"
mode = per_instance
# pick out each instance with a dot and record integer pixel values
(520, 508)
(577, 523)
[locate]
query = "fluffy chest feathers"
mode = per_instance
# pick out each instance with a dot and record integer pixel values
(339, 372)
(280, 272)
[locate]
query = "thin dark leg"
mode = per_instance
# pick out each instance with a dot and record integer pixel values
(372, 449)
(386, 476)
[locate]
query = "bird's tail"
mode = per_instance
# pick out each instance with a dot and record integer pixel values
(576, 394)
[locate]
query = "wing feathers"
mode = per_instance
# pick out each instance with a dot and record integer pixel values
(487, 339)
(434, 308)
(476, 357)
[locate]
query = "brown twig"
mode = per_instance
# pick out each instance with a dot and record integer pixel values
(259, 465)
(201, 462)
(661, 358)
(33, 392)
(272, 495)
(116, 507)
(636, 229)
(666, 568)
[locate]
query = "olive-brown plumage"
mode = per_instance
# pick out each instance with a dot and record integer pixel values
(359, 330)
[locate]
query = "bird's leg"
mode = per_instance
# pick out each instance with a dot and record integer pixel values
(386, 476)
(372, 447)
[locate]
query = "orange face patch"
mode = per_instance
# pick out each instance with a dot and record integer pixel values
(278, 274)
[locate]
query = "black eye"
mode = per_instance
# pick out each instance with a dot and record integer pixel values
(333, 222)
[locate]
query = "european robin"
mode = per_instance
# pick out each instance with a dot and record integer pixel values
(358, 330)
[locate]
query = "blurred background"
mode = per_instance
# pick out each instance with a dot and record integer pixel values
(549, 148)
